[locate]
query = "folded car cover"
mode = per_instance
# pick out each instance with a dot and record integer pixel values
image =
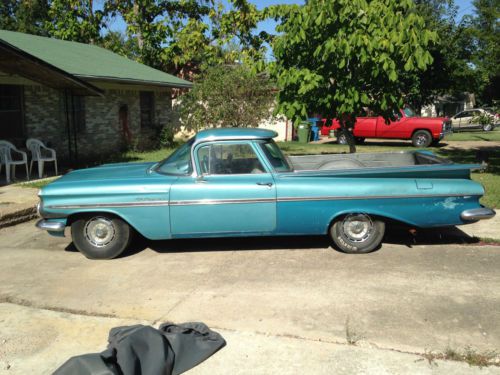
(143, 350)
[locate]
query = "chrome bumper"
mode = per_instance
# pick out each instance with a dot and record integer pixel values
(51, 226)
(477, 214)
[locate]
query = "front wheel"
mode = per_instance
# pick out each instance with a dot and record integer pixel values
(100, 236)
(421, 138)
(357, 233)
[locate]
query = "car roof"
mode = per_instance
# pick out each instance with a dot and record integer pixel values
(234, 133)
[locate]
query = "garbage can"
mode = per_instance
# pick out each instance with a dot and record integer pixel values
(315, 121)
(303, 132)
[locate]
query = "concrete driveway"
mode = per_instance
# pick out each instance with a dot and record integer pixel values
(283, 304)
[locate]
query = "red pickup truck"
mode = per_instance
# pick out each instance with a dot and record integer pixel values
(423, 131)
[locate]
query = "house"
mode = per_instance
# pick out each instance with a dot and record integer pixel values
(81, 99)
(448, 105)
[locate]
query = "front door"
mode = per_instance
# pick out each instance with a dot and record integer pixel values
(234, 193)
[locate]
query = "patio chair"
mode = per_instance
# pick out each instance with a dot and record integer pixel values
(41, 154)
(7, 151)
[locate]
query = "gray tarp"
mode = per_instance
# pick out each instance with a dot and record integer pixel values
(143, 350)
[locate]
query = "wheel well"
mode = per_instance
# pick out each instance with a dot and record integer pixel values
(386, 219)
(424, 129)
(79, 215)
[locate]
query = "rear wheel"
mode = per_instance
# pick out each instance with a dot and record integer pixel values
(421, 138)
(100, 236)
(357, 233)
(488, 127)
(341, 139)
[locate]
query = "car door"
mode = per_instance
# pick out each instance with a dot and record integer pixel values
(232, 192)
(466, 120)
(395, 128)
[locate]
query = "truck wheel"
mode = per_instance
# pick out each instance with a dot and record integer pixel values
(357, 233)
(100, 236)
(341, 139)
(421, 138)
(488, 127)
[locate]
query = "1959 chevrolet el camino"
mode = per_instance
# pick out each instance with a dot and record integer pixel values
(236, 182)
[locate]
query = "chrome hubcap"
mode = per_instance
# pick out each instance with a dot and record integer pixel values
(357, 227)
(421, 140)
(99, 231)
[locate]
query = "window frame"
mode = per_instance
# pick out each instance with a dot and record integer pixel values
(151, 95)
(254, 148)
(21, 111)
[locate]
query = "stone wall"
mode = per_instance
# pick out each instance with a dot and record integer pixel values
(45, 119)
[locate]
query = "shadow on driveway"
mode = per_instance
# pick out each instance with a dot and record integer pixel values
(396, 235)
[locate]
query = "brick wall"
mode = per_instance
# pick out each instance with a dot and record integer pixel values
(45, 119)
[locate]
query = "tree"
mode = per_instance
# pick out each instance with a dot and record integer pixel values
(336, 57)
(450, 71)
(153, 23)
(75, 20)
(27, 16)
(227, 96)
(486, 58)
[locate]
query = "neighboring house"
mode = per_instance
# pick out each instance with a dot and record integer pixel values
(449, 105)
(81, 99)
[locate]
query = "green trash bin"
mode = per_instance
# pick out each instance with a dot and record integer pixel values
(304, 132)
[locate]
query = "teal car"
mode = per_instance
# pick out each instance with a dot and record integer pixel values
(237, 183)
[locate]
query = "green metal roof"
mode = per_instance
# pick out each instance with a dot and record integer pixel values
(89, 61)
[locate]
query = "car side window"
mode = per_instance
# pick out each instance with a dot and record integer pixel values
(228, 159)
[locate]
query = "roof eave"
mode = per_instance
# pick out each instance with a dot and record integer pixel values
(131, 81)
(75, 81)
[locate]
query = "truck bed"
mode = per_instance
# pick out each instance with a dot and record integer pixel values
(415, 164)
(364, 160)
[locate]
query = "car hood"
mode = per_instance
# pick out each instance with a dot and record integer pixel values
(118, 171)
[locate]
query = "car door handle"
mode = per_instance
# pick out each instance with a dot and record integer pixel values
(268, 184)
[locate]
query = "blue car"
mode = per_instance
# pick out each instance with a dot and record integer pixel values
(237, 183)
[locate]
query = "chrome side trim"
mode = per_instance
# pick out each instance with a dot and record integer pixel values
(112, 205)
(52, 226)
(246, 201)
(477, 214)
(221, 201)
(334, 198)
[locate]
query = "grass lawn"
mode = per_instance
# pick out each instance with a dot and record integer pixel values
(490, 179)
(475, 136)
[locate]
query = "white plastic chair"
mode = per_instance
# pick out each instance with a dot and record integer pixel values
(40, 153)
(7, 150)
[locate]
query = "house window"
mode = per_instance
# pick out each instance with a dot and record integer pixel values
(147, 109)
(79, 113)
(11, 112)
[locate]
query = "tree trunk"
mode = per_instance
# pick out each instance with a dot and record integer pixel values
(347, 127)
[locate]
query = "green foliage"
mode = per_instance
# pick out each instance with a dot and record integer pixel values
(450, 71)
(336, 57)
(24, 16)
(227, 96)
(485, 29)
(75, 20)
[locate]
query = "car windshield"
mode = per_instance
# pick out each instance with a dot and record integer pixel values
(179, 163)
(275, 157)
(409, 112)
